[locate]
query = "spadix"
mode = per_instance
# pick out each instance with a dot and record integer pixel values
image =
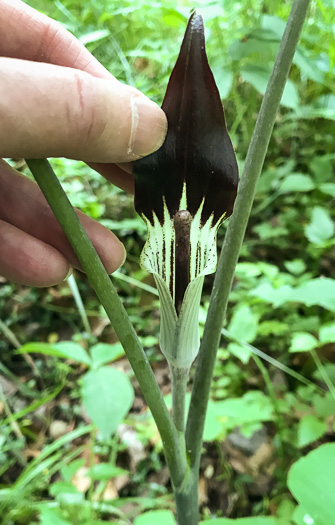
(183, 192)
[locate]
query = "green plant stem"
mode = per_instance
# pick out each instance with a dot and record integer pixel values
(16, 343)
(179, 377)
(323, 372)
(79, 303)
(236, 230)
(187, 501)
(272, 394)
(115, 310)
(91, 465)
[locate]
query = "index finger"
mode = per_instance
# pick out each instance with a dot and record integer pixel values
(30, 35)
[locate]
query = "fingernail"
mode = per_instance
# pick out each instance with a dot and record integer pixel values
(149, 126)
(124, 255)
(69, 273)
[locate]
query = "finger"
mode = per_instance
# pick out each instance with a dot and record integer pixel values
(28, 34)
(118, 175)
(53, 111)
(27, 260)
(23, 205)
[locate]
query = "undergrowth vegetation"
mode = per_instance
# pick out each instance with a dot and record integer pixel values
(71, 452)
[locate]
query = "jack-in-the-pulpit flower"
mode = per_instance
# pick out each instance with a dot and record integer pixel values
(183, 192)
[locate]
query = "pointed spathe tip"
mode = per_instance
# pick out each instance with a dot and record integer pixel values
(195, 22)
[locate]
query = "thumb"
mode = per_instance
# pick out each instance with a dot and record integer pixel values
(54, 111)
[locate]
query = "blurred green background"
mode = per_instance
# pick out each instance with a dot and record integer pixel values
(261, 417)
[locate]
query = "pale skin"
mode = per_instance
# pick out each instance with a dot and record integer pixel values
(57, 100)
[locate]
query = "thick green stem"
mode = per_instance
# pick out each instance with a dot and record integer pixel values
(236, 230)
(179, 377)
(111, 302)
(187, 501)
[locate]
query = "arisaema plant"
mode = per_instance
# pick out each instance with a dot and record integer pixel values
(183, 193)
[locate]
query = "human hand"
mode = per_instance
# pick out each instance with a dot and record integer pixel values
(57, 100)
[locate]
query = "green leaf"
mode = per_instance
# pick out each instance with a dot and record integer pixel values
(276, 296)
(324, 405)
(307, 65)
(327, 334)
(321, 227)
(312, 482)
(107, 397)
(301, 517)
(156, 517)
(258, 77)
(297, 182)
(297, 266)
(51, 517)
(105, 471)
(103, 353)
(320, 291)
(73, 351)
(328, 188)
(239, 351)
(274, 24)
(63, 487)
(310, 429)
(224, 79)
(214, 428)
(303, 342)
(243, 325)
(65, 349)
(68, 471)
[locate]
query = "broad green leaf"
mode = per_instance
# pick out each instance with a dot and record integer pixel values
(276, 296)
(324, 404)
(303, 342)
(68, 471)
(254, 47)
(310, 429)
(103, 353)
(301, 517)
(307, 65)
(243, 324)
(296, 182)
(258, 77)
(50, 516)
(156, 517)
(321, 227)
(105, 471)
(244, 411)
(312, 482)
(275, 24)
(73, 351)
(173, 18)
(107, 397)
(320, 291)
(62, 487)
(224, 79)
(65, 349)
(297, 266)
(328, 188)
(327, 334)
(214, 429)
(239, 351)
